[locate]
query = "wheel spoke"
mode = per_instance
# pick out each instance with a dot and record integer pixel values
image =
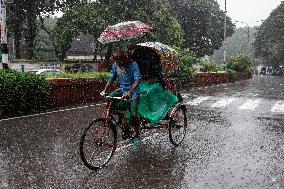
(97, 144)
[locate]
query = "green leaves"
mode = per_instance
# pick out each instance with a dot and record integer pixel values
(192, 24)
(102, 75)
(270, 38)
(203, 23)
(240, 63)
(187, 58)
(21, 92)
(210, 66)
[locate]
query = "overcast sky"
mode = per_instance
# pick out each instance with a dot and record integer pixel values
(249, 11)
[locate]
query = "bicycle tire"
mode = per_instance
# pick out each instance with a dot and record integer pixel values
(98, 142)
(177, 132)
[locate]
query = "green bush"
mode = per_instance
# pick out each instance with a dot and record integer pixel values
(240, 63)
(187, 59)
(232, 74)
(210, 66)
(21, 92)
(102, 75)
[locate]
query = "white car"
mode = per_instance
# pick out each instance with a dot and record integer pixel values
(46, 71)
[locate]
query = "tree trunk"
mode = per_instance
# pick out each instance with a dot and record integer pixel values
(31, 32)
(17, 39)
(95, 50)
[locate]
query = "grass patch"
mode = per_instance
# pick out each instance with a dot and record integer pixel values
(103, 75)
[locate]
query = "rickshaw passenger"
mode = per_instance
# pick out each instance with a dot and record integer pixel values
(150, 66)
(128, 75)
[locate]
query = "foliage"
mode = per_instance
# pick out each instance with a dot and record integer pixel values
(176, 34)
(232, 74)
(203, 23)
(93, 18)
(21, 92)
(269, 42)
(210, 66)
(192, 24)
(187, 59)
(239, 42)
(44, 45)
(240, 63)
(88, 21)
(22, 16)
(103, 75)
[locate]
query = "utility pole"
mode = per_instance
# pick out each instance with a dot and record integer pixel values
(225, 33)
(3, 34)
(248, 33)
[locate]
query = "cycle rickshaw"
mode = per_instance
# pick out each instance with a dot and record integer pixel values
(157, 63)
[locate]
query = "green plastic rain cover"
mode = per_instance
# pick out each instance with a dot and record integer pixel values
(155, 102)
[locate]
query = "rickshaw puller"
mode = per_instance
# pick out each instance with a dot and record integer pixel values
(129, 77)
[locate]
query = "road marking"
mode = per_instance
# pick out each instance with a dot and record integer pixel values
(51, 112)
(198, 100)
(223, 102)
(278, 107)
(250, 104)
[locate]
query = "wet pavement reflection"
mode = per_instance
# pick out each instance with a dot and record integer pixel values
(225, 147)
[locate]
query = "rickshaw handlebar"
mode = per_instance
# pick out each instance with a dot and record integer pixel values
(112, 97)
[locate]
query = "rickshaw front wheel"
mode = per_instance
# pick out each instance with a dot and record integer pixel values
(177, 124)
(98, 143)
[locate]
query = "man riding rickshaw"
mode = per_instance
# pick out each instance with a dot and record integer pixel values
(148, 93)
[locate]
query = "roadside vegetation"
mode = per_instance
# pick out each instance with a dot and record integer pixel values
(239, 64)
(210, 66)
(22, 92)
(269, 41)
(93, 74)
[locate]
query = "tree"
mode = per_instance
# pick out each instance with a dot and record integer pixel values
(239, 42)
(157, 13)
(93, 18)
(269, 42)
(203, 24)
(80, 19)
(187, 59)
(23, 16)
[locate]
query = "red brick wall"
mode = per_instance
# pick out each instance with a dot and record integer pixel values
(205, 79)
(72, 91)
(241, 76)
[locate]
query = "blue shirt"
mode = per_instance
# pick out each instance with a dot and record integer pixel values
(126, 78)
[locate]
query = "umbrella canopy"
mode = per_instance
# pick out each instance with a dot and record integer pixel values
(160, 47)
(124, 30)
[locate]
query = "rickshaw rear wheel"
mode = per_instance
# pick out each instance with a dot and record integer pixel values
(177, 125)
(98, 144)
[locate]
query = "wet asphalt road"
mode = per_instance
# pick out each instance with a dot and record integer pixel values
(235, 140)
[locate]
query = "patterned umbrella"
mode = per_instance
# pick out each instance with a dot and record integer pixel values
(124, 30)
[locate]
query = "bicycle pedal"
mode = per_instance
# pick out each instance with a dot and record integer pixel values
(126, 134)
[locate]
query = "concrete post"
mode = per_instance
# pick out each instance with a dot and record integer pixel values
(3, 34)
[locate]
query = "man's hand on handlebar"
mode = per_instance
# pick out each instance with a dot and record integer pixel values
(127, 95)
